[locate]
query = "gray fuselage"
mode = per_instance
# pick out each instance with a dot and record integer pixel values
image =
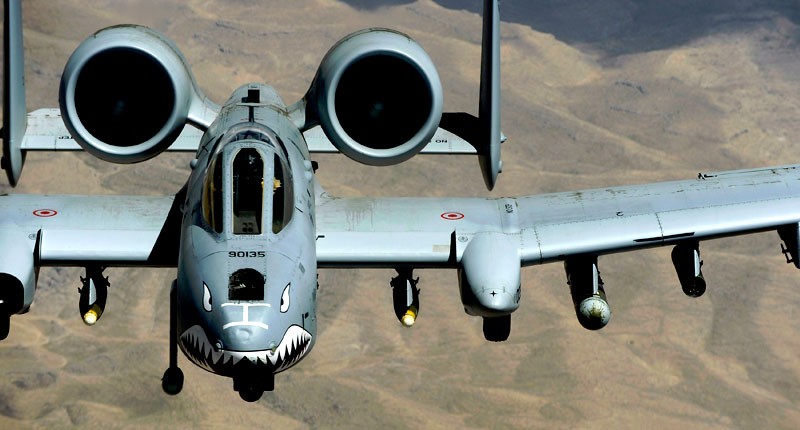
(247, 272)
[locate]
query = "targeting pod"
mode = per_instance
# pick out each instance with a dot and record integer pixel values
(94, 293)
(588, 295)
(405, 296)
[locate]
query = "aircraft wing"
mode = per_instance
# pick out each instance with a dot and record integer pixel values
(434, 232)
(64, 230)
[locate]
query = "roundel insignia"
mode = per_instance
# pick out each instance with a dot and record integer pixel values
(45, 213)
(452, 216)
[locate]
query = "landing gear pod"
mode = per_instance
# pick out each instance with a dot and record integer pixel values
(18, 275)
(687, 262)
(489, 276)
(405, 295)
(588, 295)
(489, 282)
(94, 293)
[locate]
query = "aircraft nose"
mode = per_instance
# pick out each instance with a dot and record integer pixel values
(241, 334)
(245, 327)
(245, 338)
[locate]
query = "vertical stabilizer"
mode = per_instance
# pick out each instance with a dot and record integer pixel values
(14, 111)
(489, 108)
(484, 132)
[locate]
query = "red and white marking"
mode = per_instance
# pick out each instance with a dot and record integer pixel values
(45, 213)
(452, 216)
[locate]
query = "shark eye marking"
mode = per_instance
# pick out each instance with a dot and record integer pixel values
(206, 298)
(285, 299)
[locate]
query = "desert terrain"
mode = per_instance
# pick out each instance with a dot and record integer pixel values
(595, 93)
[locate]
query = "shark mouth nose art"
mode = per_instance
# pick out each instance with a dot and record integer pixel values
(295, 344)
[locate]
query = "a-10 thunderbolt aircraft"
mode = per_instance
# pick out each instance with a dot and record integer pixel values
(252, 226)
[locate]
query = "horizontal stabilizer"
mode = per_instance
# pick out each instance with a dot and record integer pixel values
(47, 132)
(469, 129)
(442, 142)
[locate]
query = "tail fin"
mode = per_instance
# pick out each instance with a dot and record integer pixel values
(489, 111)
(484, 132)
(14, 110)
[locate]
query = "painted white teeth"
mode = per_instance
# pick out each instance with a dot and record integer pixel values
(294, 345)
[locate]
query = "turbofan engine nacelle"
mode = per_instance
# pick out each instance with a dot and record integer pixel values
(489, 276)
(377, 96)
(17, 271)
(126, 94)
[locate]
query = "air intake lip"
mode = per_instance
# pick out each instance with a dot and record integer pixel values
(377, 96)
(126, 94)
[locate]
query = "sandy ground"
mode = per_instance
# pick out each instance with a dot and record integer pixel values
(596, 93)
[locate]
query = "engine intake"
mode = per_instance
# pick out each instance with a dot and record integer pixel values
(126, 94)
(377, 96)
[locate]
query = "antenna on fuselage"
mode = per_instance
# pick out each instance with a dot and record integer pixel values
(15, 119)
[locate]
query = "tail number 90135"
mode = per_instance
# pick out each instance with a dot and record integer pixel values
(247, 254)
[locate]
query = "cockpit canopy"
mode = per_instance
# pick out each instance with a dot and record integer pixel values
(249, 179)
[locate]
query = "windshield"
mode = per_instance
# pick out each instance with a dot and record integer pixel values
(282, 197)
(252, 182)
(248, 191)
(212, 195)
